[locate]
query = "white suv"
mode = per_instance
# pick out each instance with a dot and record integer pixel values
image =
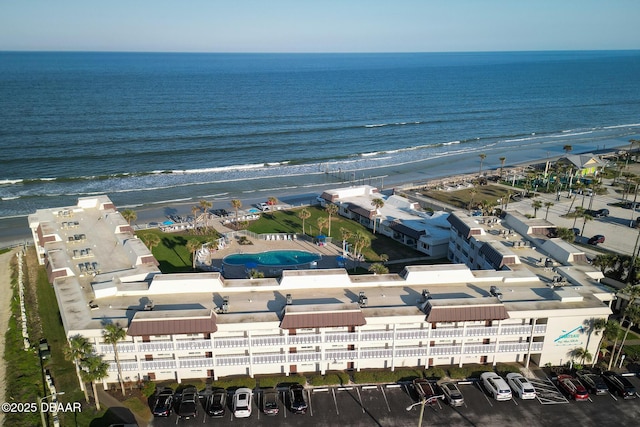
(496, 386)
(521, 386)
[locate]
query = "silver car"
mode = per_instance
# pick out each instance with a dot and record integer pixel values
(452, 393)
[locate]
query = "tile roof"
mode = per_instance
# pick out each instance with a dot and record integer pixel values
(182, 323)
(468, 313)
(326, 319)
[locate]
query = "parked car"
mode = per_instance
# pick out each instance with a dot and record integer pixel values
(270, 402)
(496, 386)
(600, 213)
(216, 403)
(242, 403)
(43, 349)
(598, 238)
(521, 386)
(188, 407)
(620, 385)
(452, 394)
(297, 402)
(164, 403)
(593, 382)
(426, 389)
(573, 387)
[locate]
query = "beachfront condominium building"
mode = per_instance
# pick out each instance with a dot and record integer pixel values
(201, 325)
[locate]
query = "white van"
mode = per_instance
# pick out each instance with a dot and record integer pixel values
(496, 386)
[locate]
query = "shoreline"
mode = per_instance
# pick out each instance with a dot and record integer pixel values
(15, 231)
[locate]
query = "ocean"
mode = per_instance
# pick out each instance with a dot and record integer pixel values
(154, 128)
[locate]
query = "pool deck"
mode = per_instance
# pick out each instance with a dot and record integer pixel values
(329, 252)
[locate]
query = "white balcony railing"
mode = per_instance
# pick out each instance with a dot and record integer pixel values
(482, 331)
(193, 345)
(412, 334)
(305, 357)
(259, 359)
(230, 342)
(155, 346)
(305, 339)
(232, 360)
(479, 348)
(340, 337)
(152, 365)
(444, 350)
(198, 362)
(447, 333)
(376, 336)
(270, 340)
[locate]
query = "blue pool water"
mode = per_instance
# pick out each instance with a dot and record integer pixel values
(272, 258)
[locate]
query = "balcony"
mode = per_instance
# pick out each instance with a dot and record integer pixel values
(155, 346)
(193, 345)
(122, 348)
(260, 359)
(341, 337)
(482, 331)
(411, 351)
(305, 357)
(479, 348)
(266, 341)
(376, 336)
(381, 353)
(412, 334)
(230, 342)
(445, 350)
(516, 330)
(341, 355)
(513, 347)
(232, 360)
(199, 362)
(447, 332)
(153, 365)
(305, 339)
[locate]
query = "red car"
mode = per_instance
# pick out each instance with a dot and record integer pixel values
(573, 387)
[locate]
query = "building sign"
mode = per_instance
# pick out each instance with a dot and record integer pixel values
(570, 338)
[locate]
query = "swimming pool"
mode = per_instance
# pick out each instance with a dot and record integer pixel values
(272, 258)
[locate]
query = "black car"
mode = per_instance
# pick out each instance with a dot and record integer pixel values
(270, 402)
(598, 238)
(164, 403)
(216, 403)
(620, 385)
(188, 407)
(593, 382)
(297, 402)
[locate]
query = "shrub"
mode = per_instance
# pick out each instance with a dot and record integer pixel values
(273, 381)
(386, 376)
(236, 383)
(469, 371)
(148, 388)
(331, 378)
(506, 368)
(434, 372)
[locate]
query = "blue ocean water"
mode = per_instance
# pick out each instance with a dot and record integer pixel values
(147, 128)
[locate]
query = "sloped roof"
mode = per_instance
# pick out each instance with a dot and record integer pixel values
(467, 313)
(324, 319)
(171, 323)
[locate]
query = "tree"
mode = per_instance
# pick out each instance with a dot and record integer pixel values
(585, 218)
(346, 234)
(129, 215)
(611, 332)
(304, 215)
(537, 204)
(567, 148)
(577, 214)
(322, 223)
(632, 316)
(547, 205)
(92, 370)
(566, 234)
(272, 201)
(192, 246)
(194, 211)
(377, 204)
(331, 209)
(377, 268)
(472, 194)
(205, 205)
(236, 205)
(596, 326)
(482, 157)
(360, 241)
(78, 349)
(583, 354)
(151, 240)
(111, 334)
(502, 160)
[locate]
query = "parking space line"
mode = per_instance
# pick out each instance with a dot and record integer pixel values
(360, 399)
(515, 401)
(385, 398)
(283, 397)
(335, 402)
(310, 406)
(614, 398)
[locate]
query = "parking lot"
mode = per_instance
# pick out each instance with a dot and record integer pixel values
(386, 405)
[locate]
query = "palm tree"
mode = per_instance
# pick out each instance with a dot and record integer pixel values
(596, 326)
(502, 160)
(547, 205)
(482, 157)
(236, 204)
(377, 204)
(151, 240)
(192, 246)
(583, 354)
(612, 332)
(113, 333)
(632, 315)
(304, 215)
(537, 204)
(92, 370)
(205, 206)
(472, 194)
(129, 215)
(360, 241)
(346, 235)
(194, 211)
(577, 214)
(322, 223)
(566, 234)
(585, 218)
(377, 268)
(272, 201)
(331, 209)
(567, 148)
(78, 349)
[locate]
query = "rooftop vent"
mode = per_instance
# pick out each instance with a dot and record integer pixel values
(496, 292)
(225, 304)
(289, 299)
(362, 299)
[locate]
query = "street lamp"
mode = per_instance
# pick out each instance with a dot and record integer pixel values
(41, 400)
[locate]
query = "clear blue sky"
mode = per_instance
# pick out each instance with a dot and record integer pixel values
(319, 26)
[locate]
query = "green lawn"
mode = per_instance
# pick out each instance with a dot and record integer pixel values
(172, 253)
(461, 198)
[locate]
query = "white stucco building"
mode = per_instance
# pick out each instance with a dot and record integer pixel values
(199, 325)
